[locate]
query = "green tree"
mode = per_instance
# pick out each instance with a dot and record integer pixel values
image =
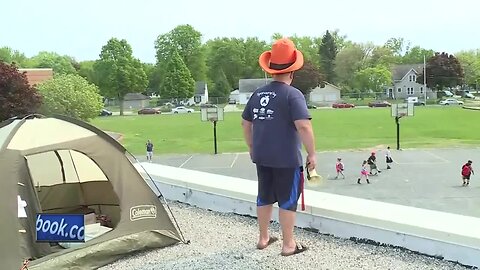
(149, 70)
(307, 78)
(178, 81)
(155, 78)
(253, 47)
(87, 71)
(443, 70)
(227, 55)
(186, 41)
(17, 97)
(416, 54)
(348, 61)
(221, 87)
(340, 40)
(327, 52)
(119, 73)
(397, 46)
(470, 61)
(60, 64)
(70, 95)
(10, 56)
(372, 79)
(383, 56)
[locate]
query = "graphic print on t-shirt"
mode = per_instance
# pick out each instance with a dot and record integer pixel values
(264, 113)
(264, 101)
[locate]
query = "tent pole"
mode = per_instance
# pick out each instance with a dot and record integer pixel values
(78, 178)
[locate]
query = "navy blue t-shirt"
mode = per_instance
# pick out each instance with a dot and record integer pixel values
(272, 109)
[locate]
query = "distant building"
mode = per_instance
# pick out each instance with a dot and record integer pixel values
(235, 95)
(246, 87)
(327, 94)
(37, 75)
(405, 83)
(135, 101)
(200, 95)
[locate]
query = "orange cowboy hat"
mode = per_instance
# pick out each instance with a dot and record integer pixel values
(283, 58)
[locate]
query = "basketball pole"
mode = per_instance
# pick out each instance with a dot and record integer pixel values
(215, 135)
(397, 121)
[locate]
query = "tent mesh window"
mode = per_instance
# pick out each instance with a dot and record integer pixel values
(78, 184)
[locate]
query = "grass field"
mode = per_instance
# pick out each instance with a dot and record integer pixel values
(334, 129)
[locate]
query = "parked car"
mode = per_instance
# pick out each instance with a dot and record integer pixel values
(182, 109)
(311, 106)
(470, 95)
(149, 111)
(419, 103)
(105, 112)
(415, 101)
(342, 104)
(232, 101)
(379, 103)
(451, 101)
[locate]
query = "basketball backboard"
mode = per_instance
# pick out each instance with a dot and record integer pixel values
(402, 109)
(212, 114)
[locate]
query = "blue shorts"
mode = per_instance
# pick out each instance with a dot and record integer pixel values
(282, 185)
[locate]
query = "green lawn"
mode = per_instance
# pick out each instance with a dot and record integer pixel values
(334, 129)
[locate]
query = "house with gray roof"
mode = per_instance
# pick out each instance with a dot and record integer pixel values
(405, 83)
(246, 87)
(200, 96)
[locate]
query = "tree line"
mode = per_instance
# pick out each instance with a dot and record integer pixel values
(182, 59)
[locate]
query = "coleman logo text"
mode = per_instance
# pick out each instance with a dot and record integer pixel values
(142, 212)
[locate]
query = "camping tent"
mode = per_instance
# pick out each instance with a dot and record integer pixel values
(62, 165)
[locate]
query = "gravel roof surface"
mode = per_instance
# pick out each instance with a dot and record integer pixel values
(227, 241)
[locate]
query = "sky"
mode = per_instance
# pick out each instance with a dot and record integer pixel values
(80, 28)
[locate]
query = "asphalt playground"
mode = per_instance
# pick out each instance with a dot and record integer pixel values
(423, 178)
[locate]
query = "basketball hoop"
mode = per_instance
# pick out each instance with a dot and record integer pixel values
(398, 111)
(212, 115)
(402, 109)
(212, 118)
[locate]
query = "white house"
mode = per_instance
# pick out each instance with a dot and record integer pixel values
(201, 94)
(405, 83)
(246, 87)
(235, 95)
(327, 94)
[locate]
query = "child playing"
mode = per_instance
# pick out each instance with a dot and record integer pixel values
(467, 171)
(364, 172)
(339, 167)
(149, 146)
(388, 158)
(372, 162)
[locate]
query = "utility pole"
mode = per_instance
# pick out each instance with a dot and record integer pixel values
(425, 79)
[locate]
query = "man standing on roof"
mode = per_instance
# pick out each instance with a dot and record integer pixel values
(275, 123)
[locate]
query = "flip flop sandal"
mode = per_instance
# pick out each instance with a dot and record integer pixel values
(271, 240)
(298, 249)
